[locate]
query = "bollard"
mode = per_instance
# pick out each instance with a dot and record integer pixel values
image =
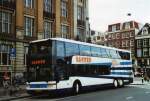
(142, 80)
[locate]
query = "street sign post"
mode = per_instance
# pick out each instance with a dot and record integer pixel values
(12, 58)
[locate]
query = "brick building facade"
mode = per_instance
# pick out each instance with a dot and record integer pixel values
(122, 35)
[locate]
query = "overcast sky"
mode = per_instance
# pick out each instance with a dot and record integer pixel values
(105, 12)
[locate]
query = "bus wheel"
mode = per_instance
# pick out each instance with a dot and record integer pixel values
(115, 83)
(121, 83)
(76, 88)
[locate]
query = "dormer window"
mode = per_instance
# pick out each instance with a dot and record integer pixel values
(145, 31)
(127, 25)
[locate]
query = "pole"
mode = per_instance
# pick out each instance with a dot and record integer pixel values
(11, 70)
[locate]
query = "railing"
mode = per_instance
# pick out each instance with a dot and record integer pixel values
(80, 23)
(4, 35)
(8, 4)
(49, 15)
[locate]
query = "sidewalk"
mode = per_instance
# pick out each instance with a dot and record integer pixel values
(138, 81)
(5, 94)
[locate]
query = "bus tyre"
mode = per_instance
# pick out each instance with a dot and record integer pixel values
(115, 83)
(76, 88)
(121, 83)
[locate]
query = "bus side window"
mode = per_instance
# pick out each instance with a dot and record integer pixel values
(60, 50)
(85, 50)
(95, 52)
(124, 55)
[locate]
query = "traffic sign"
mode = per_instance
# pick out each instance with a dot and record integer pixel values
(12, 52)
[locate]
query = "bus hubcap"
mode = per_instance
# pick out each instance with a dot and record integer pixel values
(77, 88)
(115, 83)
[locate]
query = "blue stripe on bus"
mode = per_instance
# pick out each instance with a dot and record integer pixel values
(121, 73)
(38, 85)
(108, 64)
(126, 63)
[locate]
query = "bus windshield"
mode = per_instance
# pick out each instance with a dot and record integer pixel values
(40, 61)
(40, 74)
(41, 48)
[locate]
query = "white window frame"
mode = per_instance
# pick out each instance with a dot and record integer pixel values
(29, 3)
(28, 26)
(80, 13)
(145, 52)
(114, 35)
(123, 43)
(6, 22)
(48, 5)
(47, 29)
(64, 8)
(131, 34)
(117, 35)
(64, 31)
(145, 42)
(127, 34)
(127, 25)
(4, 50)
(114, 28)
(139, 53)
(145, 31)
(139, 43)
(131, 42)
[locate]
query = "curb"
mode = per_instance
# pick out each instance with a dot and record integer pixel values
(137, 84)
(14, 98)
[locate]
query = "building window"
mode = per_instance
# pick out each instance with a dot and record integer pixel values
(63, 8)
(109, 36)
(127, 34)
(132, 34)
(80, 33)
(132, 42)
(145, 31)
(127, 25)
(113, 28)
(123, 35)
(4, 54)
(117, 35)
(123, 43)
(139, 43)
(145, 52)
(47, 29)
(29, 26)
(145, 41)
(64, 31)
(5, 22)
(139, 52)
(48, 5)
(80, 13)
(29, 3)
(114, 36)
(127, 43)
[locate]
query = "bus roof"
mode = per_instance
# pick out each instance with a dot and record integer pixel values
(79, 42)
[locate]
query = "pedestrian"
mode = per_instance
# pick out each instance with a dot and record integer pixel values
(142, 78)
(6, 82)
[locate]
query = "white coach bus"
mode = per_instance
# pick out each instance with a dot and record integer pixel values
(60, 64)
